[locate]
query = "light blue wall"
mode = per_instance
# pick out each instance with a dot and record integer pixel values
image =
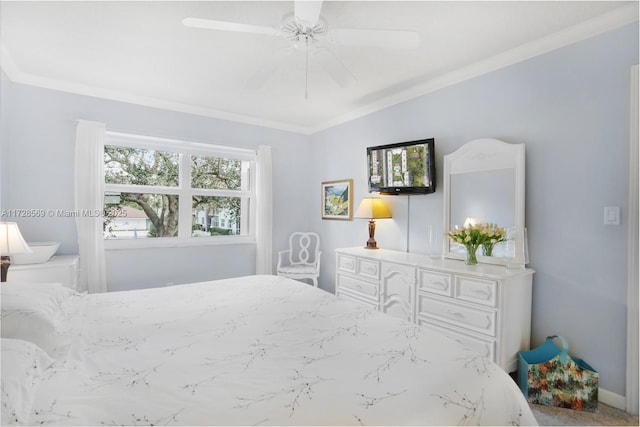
(37, 172)
(571, 109)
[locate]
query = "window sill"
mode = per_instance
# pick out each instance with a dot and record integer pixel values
(175, 242)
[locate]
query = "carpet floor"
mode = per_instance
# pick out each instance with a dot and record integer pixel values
(606, 416)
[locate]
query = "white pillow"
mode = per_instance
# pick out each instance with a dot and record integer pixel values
(34, 312)
(22, 366)
(52, 295)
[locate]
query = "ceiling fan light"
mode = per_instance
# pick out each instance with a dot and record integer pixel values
(296, 31)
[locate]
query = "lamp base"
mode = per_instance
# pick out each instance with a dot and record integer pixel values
(371, 244)
(5, 262)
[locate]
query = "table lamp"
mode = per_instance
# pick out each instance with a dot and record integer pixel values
(11, 242)
(372, 208)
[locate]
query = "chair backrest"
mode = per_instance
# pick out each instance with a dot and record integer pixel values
(304, 248)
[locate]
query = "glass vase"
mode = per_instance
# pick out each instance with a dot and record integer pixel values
(471, 258)
(487, 249)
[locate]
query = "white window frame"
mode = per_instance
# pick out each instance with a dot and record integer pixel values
(185, 193)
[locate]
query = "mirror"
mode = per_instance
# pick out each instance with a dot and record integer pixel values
(484, 180)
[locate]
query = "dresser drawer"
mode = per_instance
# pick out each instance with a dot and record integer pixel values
(435, 283)
(486, 348)
(364, 267)
(471, 318)
(480, 291)
(358, 286)
(368, 268)
(346, 263)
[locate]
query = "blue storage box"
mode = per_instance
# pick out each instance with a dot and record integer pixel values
(548, 375)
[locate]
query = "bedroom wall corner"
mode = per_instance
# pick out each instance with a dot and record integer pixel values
(570, 107)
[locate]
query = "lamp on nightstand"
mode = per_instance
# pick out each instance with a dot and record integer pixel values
(11, 243)
(372, 208)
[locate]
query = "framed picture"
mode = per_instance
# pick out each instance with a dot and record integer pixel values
(337, 199)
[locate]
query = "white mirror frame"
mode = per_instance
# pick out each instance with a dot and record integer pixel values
(482, 155)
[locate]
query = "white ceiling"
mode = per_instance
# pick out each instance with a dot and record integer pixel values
(140, 52)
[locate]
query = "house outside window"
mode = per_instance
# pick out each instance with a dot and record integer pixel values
(161, 192)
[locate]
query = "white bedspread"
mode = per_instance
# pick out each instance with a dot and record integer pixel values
(264, 350)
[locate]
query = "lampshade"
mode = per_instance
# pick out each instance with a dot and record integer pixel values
(11, 241)
(372, 208)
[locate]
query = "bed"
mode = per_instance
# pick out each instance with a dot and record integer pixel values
(258, 350)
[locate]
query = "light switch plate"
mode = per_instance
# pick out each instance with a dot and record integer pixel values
(612, 215)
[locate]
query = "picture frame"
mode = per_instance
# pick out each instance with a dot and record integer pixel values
(337, 199)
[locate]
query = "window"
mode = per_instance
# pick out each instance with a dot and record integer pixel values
(164, 192)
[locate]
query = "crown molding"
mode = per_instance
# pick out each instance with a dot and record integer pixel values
(611, 20)
(15, 75)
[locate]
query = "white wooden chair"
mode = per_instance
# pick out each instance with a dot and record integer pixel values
(302, 259)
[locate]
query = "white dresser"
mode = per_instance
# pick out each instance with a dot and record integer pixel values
(485, 307)
(60, 269)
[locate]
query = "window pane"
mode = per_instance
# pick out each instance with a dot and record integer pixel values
(216, 173)
(124, 165)
(217, 216)
(135, 215)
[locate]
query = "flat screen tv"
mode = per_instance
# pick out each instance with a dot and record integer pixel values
(402, 168)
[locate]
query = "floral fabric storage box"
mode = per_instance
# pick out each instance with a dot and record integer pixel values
(548, 375)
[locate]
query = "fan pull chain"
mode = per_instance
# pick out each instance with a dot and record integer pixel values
(306, 70)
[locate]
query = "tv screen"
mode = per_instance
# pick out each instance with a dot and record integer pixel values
(402, 168)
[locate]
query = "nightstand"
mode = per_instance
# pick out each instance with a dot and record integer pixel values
(60, 268)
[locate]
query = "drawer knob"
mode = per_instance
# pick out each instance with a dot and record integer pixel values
(456, 314)
(439, 284)
(482, 292)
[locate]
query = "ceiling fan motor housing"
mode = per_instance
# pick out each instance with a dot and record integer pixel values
(297, 30)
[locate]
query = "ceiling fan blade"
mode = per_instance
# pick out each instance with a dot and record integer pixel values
(268, 69)
(211, 24)
(397, 39)
(308, 11)
(333, 66)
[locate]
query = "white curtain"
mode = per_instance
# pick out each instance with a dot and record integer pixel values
(264, 212)
(89, 199)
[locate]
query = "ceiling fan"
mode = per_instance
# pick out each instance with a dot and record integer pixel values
(307, 30)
